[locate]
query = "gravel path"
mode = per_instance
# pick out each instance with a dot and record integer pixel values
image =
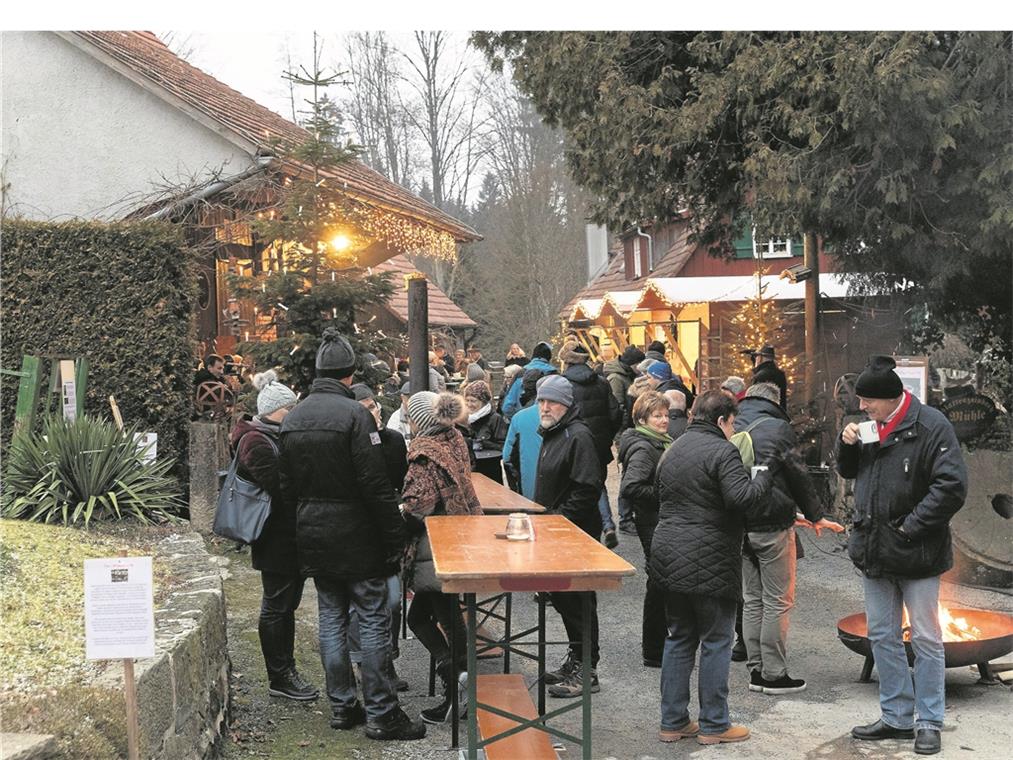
(812, 725)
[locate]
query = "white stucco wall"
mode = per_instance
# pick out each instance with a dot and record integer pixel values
(79, 139)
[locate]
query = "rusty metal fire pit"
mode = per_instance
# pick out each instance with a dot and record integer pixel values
(994, 640)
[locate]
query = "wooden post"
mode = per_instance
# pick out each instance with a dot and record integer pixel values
(812, 294)
(418, 332)
(117, 417)
(130, 694)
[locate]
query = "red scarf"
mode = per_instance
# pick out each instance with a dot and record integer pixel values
(885, 428)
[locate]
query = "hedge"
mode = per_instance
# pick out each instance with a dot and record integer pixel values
(122, 295)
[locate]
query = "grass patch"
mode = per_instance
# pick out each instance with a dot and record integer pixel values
(42, 599)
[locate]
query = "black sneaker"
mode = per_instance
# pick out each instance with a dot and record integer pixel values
(783, 685)
(441, 713)
(611, 539)
(293, 686)
(628, 528)
(755, 681)
(564, 672)
(574, 685)
(349, 718)
(395, 726)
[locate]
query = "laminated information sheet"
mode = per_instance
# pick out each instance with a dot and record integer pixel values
(119, 618)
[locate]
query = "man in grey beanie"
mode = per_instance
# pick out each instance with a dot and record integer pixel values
(568, 483)
(350, 535)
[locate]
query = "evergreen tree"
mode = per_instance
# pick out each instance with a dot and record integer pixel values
(757, 323)
(312, 280)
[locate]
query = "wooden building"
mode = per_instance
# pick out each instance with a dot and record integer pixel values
(113, 124)
(658, 285)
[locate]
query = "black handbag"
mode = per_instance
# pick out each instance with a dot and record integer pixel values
(243, 507)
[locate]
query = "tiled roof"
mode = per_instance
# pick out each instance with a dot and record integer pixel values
(442, 311)
(147, 56)
(669, 264)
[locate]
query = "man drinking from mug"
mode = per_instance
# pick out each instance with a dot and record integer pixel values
(910, 479)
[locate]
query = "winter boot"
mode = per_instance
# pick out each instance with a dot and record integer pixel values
(441, 713)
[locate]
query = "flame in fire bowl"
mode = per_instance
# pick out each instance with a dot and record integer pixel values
(984, 636)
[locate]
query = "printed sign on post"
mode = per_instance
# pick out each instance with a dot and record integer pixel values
(119, 618)
(147, 446)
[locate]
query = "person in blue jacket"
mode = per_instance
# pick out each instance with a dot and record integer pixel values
(522, 394)
(521, 449)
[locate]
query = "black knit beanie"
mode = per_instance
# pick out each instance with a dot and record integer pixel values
(335, 353)
(632, 356)
(878, 380)
(543, 350)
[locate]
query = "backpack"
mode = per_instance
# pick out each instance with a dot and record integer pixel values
(743, 441)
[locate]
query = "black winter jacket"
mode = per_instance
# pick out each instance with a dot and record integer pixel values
(598, 408)
(570, 478)
(488, 435)
(259, 462)
(704, 493)
(676, 384)
(677, 423)
(769, 372)
(639, 455)
(332, 467)
(773, 438)
(395, 455)
(916, 481)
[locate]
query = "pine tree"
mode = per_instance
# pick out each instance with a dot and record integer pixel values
(757, 323)
(313, 281)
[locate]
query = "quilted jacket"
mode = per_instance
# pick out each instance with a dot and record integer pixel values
(704, 493)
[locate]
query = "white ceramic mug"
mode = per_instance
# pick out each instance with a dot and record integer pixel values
(868, 432)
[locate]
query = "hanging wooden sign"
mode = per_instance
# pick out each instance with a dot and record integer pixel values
(971, 415)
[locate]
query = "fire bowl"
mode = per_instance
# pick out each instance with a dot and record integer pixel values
(995, 640)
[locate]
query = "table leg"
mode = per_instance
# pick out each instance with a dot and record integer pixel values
(541, 654)
(586, 674)
(506, 635)
(454, 644)
(472, 680)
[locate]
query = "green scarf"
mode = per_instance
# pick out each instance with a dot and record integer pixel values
(665, 438)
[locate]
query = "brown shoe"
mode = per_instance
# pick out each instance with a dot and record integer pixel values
(733, 734)
(674, 734)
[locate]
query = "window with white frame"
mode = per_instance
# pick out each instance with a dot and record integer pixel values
(775, 248)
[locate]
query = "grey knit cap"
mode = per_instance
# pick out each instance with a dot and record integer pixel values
(475, 372)
(555, 388)
(335, 352)
(273, 395)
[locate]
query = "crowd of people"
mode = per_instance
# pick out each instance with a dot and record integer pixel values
(711, 484)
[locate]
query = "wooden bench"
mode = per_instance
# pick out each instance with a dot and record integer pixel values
(509, 693)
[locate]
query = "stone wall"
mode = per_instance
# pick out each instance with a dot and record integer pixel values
(183, 692)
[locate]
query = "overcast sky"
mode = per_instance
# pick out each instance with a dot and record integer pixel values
(253, 62)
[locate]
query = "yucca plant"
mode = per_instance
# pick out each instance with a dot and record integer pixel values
(82, 471)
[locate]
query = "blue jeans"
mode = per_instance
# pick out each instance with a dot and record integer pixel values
(708, 623)
(368, 599)
(394, 606)
(606, 510)
(899, 697)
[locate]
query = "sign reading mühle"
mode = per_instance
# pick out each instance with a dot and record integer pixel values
(119, 617)
(971, 415)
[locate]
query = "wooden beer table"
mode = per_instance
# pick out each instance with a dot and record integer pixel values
(470, 560)
(496, 498)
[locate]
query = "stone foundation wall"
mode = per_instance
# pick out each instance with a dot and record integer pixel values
(183, 692)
